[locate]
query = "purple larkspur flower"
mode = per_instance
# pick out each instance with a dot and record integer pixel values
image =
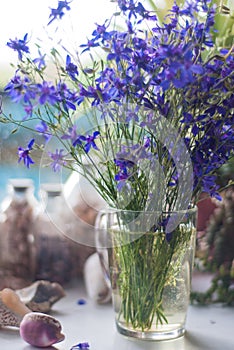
(23, 154)
(74, 137)
(101, 33)
(84, 345)
(179, 69)
(135, 8)
(98, 94)
(164, 223)
(132, 154)
(79, 140)
(71, 68)
(43, 129)
(119, 50)
(90, 44)
(145, 14)
(122, 176)
(123, 5)
(19, 45)
(58, 160)
(123, 164)
(67, 97)
(47, 93)
(20, 89)
(90, 141)
(125, 172)
(59, 11)
(40, 60)
(71, 134)
(29, 111)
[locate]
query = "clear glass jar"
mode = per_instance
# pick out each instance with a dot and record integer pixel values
(149, 269)
(54, 258)
(17, 246)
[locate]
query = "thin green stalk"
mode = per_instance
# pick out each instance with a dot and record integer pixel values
(144, 269)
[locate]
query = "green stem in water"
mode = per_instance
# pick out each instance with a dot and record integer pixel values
(143, 268)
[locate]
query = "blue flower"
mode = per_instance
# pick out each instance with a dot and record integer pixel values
(135, 8)
(101, 32)
(28, 108)
(58, 160)
(47, 93)
(59, 11)
(90, 141)
(23, 154)
(40, 61)
(98, 94)
(125, 172)
(19, 89)
(67, 97)
(19, 45)
(79, 140)
(43, 129)
(84, 345)
(91, 43)
(71, 68)
(123, 164)
(119, 49)
(71, 134)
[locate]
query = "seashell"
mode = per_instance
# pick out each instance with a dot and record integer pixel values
(95, 283)
(41, 295)
(12, 310)
(40, 330)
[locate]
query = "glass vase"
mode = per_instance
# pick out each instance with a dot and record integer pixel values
(147, 257)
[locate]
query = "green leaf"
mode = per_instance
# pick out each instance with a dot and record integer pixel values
(14, 131)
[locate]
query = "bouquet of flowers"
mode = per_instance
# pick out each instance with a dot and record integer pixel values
(158, 106)
(160, 102)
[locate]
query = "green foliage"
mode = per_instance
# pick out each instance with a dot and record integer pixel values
(219, 257)
(146, 269)
(224, 23)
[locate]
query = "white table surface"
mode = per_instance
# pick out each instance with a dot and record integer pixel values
(208, 328)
